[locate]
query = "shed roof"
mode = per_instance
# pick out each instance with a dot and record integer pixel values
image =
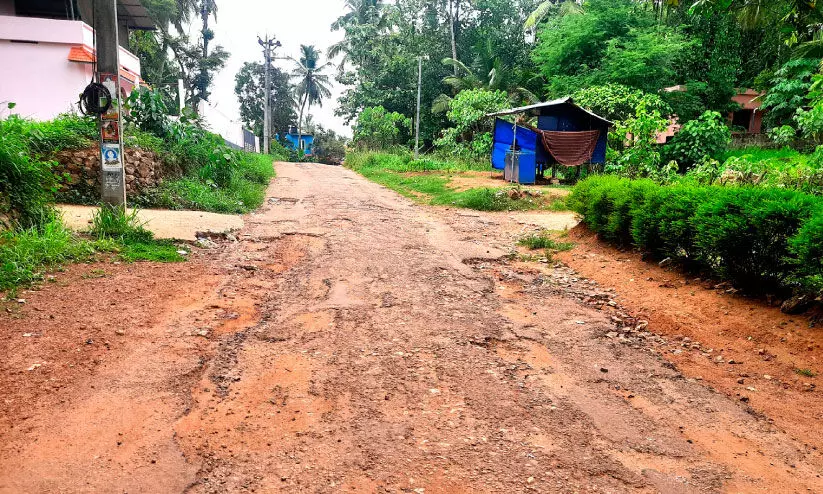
(548, 104)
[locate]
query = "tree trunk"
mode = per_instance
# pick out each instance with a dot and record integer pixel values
(204, 14)
(454, 11)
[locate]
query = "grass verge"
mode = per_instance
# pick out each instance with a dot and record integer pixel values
(428, 180)
(27, 256)
(244, 191)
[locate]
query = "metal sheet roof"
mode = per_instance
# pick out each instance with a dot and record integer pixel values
(134, 15)
(548, 104)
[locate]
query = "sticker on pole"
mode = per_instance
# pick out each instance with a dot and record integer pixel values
(111, 157)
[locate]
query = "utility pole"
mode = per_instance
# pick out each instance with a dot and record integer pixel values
(269, 44)
(417, 120)
(112, 175)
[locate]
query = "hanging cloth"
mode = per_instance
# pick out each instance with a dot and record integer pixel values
(570, 148)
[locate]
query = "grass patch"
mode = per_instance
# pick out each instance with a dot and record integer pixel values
(543, 240)
(26, 255)
(427, 181)
(805, 372)
(154, 251)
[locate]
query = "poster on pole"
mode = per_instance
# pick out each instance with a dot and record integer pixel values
(112, 160)
(110, 82)
(110, 131)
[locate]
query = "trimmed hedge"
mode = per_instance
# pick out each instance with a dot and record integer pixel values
(764, 240)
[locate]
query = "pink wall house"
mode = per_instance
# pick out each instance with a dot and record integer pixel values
(46, 63)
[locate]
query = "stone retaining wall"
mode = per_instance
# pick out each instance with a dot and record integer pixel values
(144, 169)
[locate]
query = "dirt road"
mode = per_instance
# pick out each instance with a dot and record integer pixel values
(350, 341)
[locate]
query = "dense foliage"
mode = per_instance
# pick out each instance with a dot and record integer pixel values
(761, 239)
(250, 89)
(470, 131)
(609, 54)
(618, 102)
(26, 181)
(378, 129)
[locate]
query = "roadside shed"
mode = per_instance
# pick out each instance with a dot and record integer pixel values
(566, 134)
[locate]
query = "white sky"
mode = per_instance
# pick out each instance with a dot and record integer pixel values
(293, 23)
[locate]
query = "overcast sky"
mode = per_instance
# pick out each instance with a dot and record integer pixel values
(293, 23)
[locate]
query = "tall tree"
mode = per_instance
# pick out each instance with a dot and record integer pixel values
(251, 93)
(313, 84)
(169, 53)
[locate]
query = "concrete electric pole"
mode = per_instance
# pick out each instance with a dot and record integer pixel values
(417, 120)
(269, 44)
(112, 175)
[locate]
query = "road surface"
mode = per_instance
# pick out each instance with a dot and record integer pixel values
(351, 341)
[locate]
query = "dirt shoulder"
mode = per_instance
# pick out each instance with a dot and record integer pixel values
(353, 341)
(745, 348)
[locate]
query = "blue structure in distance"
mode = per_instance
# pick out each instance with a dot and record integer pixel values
(304, 142)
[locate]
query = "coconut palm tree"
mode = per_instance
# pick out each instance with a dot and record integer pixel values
(487, 72)
(312, 84)
(361, 13)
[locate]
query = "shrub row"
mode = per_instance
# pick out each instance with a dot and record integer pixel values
(764, 240)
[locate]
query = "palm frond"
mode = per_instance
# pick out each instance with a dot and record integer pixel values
(460, 66)
(539, 14)
(441, 104)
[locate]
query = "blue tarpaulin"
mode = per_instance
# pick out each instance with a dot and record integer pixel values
(527, 140)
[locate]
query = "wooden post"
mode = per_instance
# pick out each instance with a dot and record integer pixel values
(112, 174)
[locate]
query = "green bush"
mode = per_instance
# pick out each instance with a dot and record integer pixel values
(704, 137)
(807, 252)
(743, 234)
(64, 132)
(27, 183)
(378, 129)
(762, 239)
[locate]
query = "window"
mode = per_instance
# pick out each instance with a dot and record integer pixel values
(742, 119)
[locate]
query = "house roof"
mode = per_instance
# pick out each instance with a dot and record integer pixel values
(84, 54)
(548, 104)
(135, 15)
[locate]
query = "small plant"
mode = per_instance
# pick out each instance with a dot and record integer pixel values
(138, 243)
(116, 223)
(783, 135)
(698, 139)
(148, 112)
(805, 372)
